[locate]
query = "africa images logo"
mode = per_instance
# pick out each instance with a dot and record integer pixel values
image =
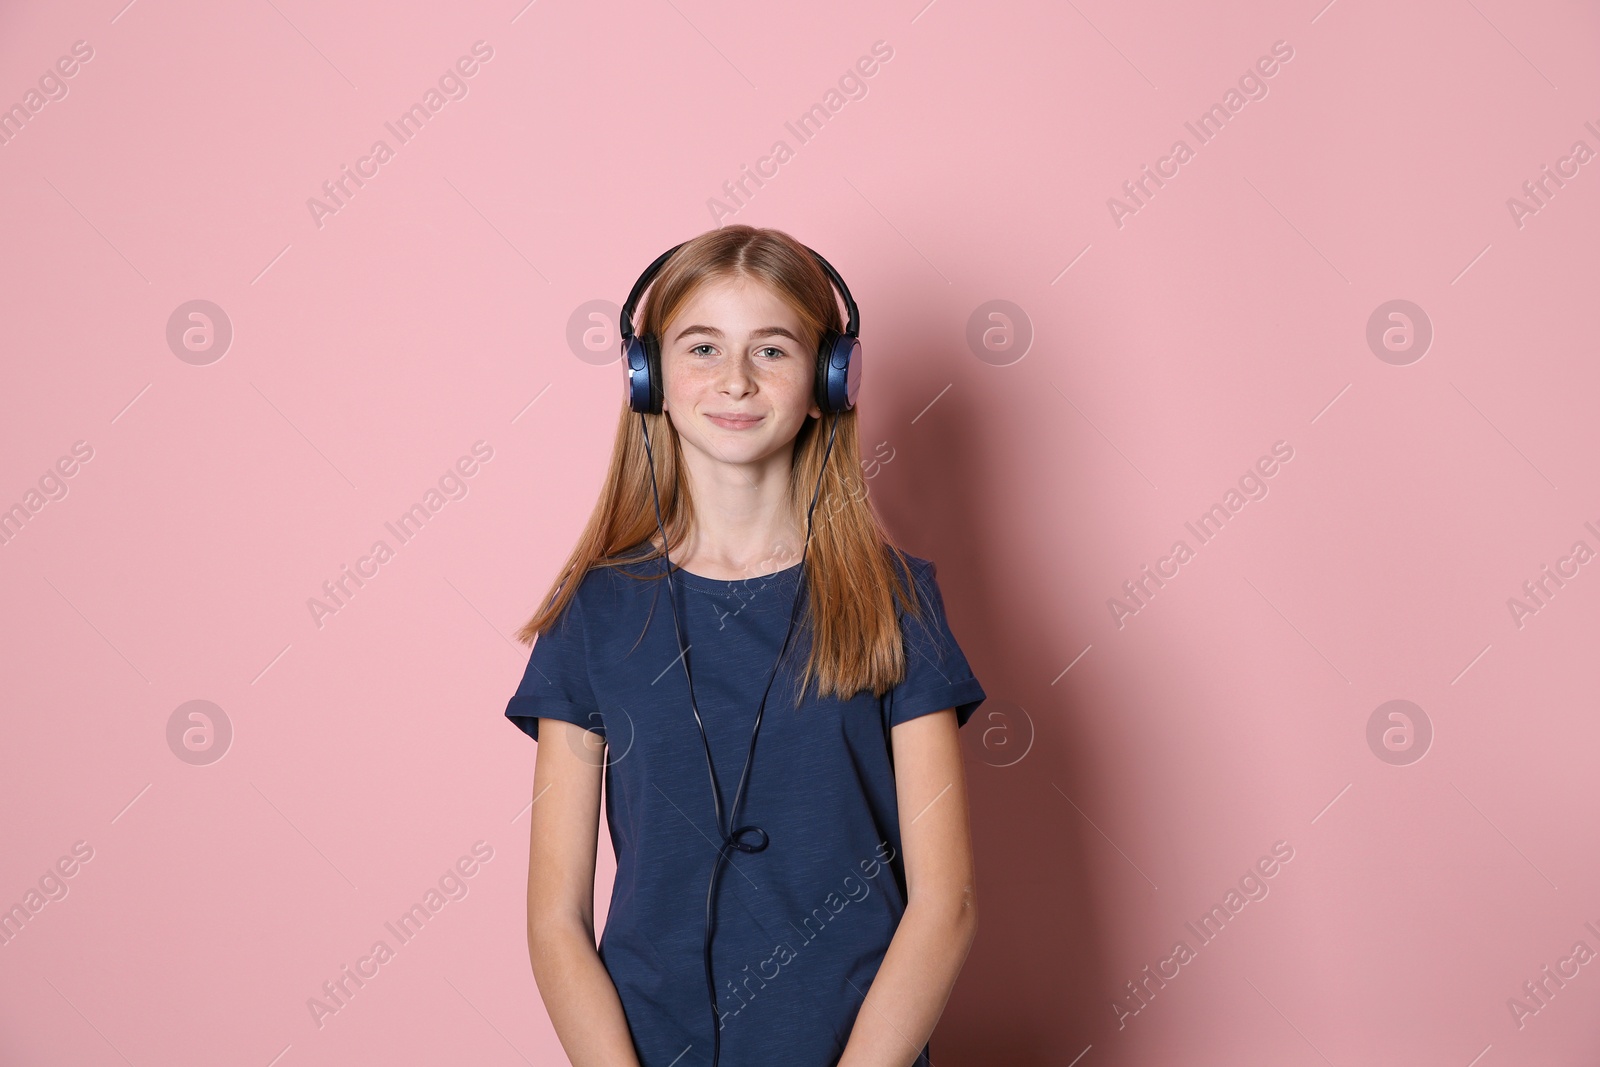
(1252, 886)
(451, 85)
(1252, 85)
(851, 85)
(784, 953)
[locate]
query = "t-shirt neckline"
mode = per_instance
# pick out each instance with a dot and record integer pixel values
(726, 585)
(688, 579)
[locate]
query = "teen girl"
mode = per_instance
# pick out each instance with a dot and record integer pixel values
(814, 908)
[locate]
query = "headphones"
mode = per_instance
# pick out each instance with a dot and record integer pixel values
(838, 354)
(838, 379)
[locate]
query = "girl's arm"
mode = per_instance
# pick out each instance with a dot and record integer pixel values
(929, 946)
(578, 993)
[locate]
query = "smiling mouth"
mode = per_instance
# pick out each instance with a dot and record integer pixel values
(735, 422)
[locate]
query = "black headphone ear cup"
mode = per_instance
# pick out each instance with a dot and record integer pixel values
(643, 380)
(652, 360)
(825, 347)
(838, 372)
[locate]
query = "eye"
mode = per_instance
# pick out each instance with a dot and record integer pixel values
(696, 349)
(777, 352)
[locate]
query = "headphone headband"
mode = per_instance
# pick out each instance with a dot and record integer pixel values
(639, 287)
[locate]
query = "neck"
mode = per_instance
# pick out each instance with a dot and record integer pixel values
(744, 523)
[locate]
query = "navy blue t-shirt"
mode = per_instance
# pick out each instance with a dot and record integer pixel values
(802, 926)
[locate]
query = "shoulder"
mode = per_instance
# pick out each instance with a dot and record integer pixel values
(920, 578)
(920, 568)
(582, 597)
(609, 588)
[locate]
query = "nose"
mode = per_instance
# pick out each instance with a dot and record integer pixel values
(735, 378)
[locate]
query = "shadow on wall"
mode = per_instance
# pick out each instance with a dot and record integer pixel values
(1035, 987)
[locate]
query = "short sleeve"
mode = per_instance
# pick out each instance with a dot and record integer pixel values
(937, 674)
(556, 683)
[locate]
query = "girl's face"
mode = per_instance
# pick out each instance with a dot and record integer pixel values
(739, 373)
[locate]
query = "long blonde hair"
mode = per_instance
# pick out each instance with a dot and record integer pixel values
(855, 573)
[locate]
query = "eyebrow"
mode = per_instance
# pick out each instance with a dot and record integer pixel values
(762, 331)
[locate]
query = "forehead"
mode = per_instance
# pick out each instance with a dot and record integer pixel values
(735, 305)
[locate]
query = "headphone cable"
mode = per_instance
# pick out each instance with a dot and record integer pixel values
(731, 838)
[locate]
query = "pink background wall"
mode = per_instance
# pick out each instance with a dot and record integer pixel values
(1126, 774)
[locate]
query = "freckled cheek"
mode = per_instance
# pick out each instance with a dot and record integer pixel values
(688, 378)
